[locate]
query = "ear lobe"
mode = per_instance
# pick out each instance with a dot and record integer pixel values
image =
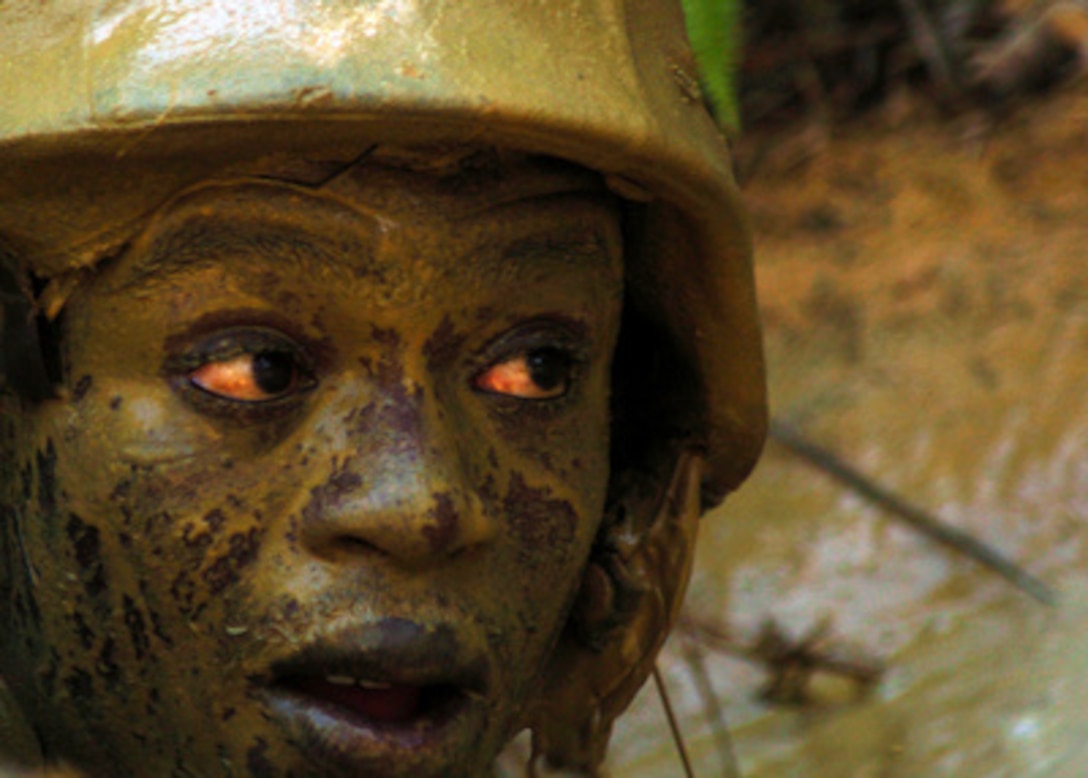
(630, 598)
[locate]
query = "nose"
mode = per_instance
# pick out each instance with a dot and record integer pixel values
(401, 488)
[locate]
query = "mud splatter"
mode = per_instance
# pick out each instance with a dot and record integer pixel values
(137, 629)
(443, 531)
(257, 761)
(106, 666)
(47, 479)
(200, 538)
(83, 385)
(443, 346)
(343, 482)
(80, 686)
(243, 547)
(156, 622)
(538, 519)
(86, 544)
(83, 631)
(183, 590)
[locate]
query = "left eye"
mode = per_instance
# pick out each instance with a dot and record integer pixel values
(259, 377)
(540, 374)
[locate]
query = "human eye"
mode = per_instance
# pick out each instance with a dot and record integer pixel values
(260, 377)
(536, 374)
(246, 367)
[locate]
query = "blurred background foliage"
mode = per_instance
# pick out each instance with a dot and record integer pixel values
(916, 172)
(770, 62)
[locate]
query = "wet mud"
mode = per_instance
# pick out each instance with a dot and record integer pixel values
(925, 300)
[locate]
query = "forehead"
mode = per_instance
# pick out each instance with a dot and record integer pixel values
(462, 182)
(470, 208)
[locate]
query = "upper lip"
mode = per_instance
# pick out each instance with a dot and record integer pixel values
(390, 650)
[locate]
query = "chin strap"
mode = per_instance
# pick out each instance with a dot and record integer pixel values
(630, 599)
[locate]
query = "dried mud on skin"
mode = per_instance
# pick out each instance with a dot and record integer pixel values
(925, 301)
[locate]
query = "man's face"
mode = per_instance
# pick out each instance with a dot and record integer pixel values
(328, 473)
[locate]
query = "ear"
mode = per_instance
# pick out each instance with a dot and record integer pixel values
(630, 597)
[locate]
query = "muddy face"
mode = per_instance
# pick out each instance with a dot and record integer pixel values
(325, 481)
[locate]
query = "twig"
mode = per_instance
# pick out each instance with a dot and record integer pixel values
(922, 521)
(782, 657)
(932, 48)
(715, 716)
(677, 738)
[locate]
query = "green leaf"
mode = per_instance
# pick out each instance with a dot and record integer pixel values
(714, 27)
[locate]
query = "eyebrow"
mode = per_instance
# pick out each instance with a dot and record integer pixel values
(201, 240)
(207, 241)
(576, 240)
(586, 244)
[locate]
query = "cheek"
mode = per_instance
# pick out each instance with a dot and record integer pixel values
(137, 573)
(556, 477)
(554, 499)
(22, 595)
(133, 558)
(80, 628)
(550, 508)
(547, 531)
(184, 534)
(544, 528)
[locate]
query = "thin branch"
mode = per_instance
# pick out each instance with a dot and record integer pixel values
(677, 738)
(777, 653)
(715, 715)
(922, 521)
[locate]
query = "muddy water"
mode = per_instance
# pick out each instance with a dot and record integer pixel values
(926, 306)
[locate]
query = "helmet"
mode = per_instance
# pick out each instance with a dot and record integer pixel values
(96, 94)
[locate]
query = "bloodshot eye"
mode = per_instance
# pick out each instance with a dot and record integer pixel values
(540, 374)
(261, 376)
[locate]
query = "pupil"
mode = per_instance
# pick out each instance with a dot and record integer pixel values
(548, 368)
(273, 371)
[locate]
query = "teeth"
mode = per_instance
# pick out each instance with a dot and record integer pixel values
(347, 680)
(374, 684)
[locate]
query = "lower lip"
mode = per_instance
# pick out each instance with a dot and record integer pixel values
(440, 742)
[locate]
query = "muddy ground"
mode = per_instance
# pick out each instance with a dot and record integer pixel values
(924, 286)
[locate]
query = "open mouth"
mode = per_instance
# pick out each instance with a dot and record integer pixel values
(391, 697)
(379, 703)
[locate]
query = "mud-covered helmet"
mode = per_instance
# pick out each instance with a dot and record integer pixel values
(95, 94)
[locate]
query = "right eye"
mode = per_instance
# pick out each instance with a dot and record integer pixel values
(258, 377)
(254, 367)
